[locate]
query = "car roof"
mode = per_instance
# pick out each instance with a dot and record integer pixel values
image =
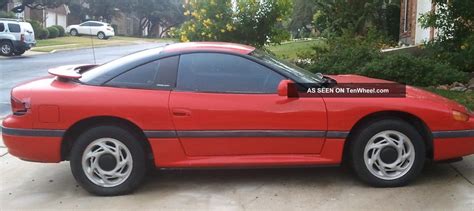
(93, 22)
(208, 46)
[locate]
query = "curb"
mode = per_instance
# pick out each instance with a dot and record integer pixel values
(95, 47)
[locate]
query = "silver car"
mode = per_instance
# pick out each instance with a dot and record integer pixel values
(16, 37)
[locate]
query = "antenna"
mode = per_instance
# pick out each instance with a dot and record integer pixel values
(92, 42)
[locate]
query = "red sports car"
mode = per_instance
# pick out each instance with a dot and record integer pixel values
(193, 105)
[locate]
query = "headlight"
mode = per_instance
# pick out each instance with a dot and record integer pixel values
(460, 116)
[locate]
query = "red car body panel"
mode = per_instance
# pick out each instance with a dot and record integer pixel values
(170, 119)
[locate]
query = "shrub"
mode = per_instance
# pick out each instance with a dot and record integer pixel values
(4, 14)
(61, 30)
(53, 32)
(36, 28)
(349, 55)
(344, 54)
(248, 21)
(409, 69)
(43, 34)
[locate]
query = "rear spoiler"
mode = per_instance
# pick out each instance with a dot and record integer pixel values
(70, 71)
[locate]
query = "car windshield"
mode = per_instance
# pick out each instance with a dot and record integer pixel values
(303, 75)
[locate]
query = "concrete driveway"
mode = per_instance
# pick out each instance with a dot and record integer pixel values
(26, 185)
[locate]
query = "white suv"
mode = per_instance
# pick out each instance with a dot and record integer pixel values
(100, 29)
(16, 37)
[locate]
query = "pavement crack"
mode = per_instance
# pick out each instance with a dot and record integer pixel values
(462, 175)
(1, 155)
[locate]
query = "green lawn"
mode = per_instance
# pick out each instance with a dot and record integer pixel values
(70, 42)
(465, 98)
(290, 50)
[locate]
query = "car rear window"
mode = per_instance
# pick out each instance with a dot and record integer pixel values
(13, 27)
(108, 70)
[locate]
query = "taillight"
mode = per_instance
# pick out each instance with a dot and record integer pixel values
(22, 38)
(19, 107)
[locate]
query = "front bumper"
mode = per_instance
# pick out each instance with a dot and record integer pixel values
(33, 145)
(453, 144)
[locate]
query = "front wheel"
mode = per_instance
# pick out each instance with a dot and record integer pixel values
(73, 32)
(6, 48)
(108, 160)
(387, 153)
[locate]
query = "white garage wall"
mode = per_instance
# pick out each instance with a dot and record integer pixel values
(421, 34)
(50, 19)
(62, 21)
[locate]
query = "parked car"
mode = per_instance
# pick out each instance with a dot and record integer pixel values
(100, 29)
(16, 37)
(193, 105)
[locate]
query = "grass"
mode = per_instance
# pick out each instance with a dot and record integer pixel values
(465, 98)
(291, 50)
(70, 42)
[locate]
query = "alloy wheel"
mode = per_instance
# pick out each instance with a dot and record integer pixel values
(107, 162)
(389, 155)
(6, 49)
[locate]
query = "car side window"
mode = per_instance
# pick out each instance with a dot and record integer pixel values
(13, 27)
(2, 27)
(85, 24)
(159, 74)
(225, 73)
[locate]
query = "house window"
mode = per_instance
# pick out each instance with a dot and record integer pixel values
(406, 16)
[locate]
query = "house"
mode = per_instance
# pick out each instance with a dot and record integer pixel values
(411, 32)
(47, 17)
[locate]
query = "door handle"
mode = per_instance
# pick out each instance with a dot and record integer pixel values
(181, 112)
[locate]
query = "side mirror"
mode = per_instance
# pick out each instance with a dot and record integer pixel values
(287, 88)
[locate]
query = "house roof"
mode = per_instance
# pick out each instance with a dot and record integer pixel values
(209, 46)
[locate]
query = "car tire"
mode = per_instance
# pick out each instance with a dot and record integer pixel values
(108, 160)
(387, 153)
(101, 35)
(73, 32)
(6, 48)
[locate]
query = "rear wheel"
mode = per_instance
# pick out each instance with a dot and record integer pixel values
(387, 153)
(108, 160)
(6, 48)
(101, 35)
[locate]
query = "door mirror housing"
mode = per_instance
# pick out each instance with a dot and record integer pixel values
(287, 88)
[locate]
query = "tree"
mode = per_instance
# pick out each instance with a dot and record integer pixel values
(245, 21)
(154, 13)
(302, 15)
(454, 21)
(105, 9)
(38, 4)
(357, 16)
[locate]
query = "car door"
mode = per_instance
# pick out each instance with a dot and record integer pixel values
(227, 104)
(95, 28)
(84, 28)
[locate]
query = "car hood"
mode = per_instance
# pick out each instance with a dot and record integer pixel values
(411, 92)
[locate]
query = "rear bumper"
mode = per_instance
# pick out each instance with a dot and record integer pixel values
(33, 145)
(20, 46)
(109, 33)
(453, 144)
